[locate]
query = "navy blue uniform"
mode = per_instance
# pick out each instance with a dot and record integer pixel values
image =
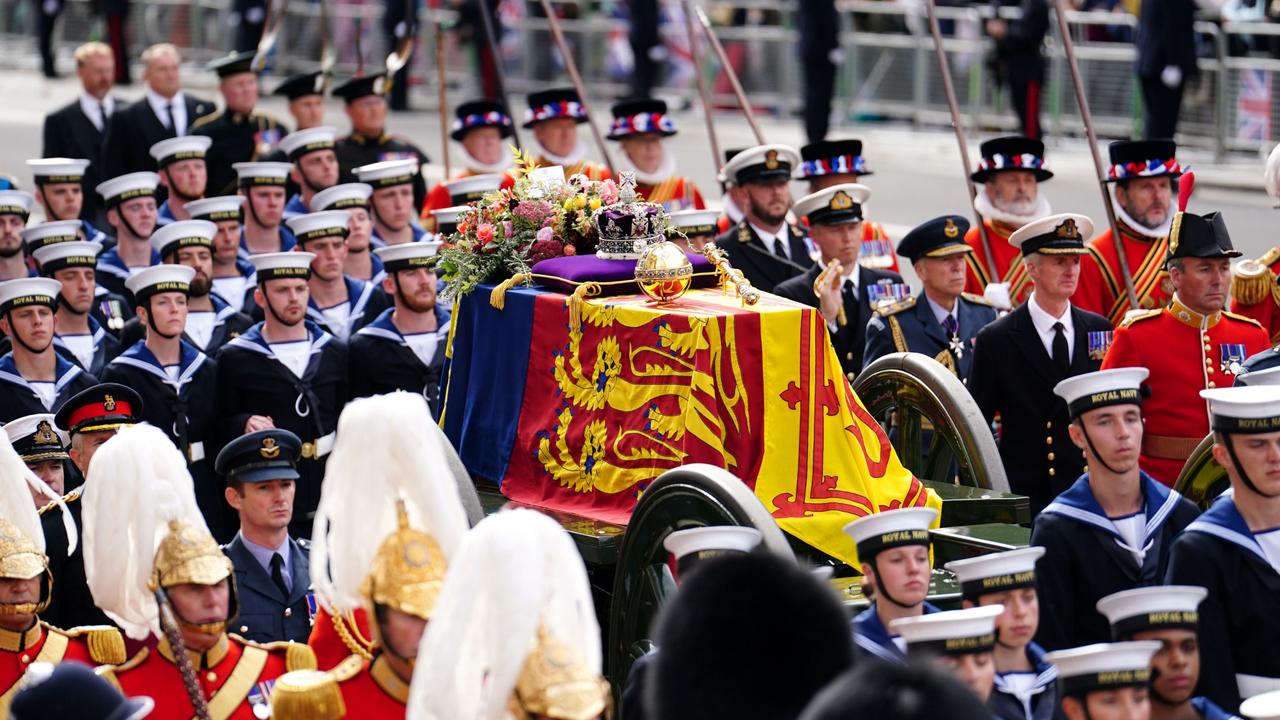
(910, 326)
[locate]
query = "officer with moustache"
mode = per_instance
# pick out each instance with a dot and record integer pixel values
(764, 246)
(287, 373)
(180, 163)
(315, 166)
(845, 291)
(177, 382)
(403, 349)
(81, 337)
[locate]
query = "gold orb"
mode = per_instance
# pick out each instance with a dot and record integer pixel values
(663, 271)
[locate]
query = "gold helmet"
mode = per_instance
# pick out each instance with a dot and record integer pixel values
(188, 555)
(556, 682)
(408, 570)
(22, 559)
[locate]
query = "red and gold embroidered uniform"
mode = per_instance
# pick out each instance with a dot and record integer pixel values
(1101, 289)
(371, 688)
(1008, 262)
(335, 636)
(232, 676)
(1255, 291)
(46, 644)
(674, 193)
(593, 170)
(1185, 352)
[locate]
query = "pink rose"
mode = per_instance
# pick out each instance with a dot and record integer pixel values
(609, 192)
(545, 234)
(485, 233)
(570, 250)
(508, 229)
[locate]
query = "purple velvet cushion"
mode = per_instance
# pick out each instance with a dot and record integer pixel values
(577, 269)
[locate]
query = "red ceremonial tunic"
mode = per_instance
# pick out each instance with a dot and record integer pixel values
(334, 637)
(371, 689)
(1266, 309)
(593, 171)
(47, 644)
(674, 193)
(235, 676)
(1101, 289)
(1008, 262)
(438, 198)
(1185, 353)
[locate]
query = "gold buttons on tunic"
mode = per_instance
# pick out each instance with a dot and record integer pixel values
(1051, 472)
(1048, 440)
(1050, 457)
(211, 676)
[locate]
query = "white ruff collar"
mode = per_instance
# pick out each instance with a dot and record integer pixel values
(565, 161)
(664, 172)
(982, 203)
(480, 168)
(1137, 227)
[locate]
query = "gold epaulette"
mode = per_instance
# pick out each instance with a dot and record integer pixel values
(1244, 318)
(1136, 317)
(106, 644)
(979, 299)
(204, 120)
(1252, 280)
(69, 497)
(348, 668)
(297, 656)
(897, 307)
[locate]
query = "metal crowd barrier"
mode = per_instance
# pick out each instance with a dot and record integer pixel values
(888, 71)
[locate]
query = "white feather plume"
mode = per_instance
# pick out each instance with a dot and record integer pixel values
(385, 450)
(137, 483)
(1271, 176)
(517, 571)
(16, 502)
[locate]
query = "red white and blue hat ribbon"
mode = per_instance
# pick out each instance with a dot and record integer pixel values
(642, 123)
(1154, 167)
(1020, 161)
(551, 111)
(839, 165)
(493, 118)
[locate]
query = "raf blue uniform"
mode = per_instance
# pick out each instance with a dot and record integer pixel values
(1264, 360)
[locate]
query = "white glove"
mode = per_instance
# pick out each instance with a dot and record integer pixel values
(836, 56)
(998, 294)
(1171, 76)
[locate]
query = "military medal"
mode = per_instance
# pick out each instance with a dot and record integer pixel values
(312, 608)
(1232, 357)
(266, 140)
(1099, 343)
(885, 293)
(259, 699)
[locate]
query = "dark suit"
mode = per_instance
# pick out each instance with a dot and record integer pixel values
(1022, 63)
(749, 253)
(69, 133)
(1011, 348)
(922, 333)
(266, 615)
(1166, 37)
(134, 129)
(850, 340)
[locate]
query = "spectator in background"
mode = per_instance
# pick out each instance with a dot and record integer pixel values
(400, 23)
(47, 12)
(116, 13)
(1020, 62)
(77, 130)
(1167, 59)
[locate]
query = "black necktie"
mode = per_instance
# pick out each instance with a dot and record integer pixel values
(277, 573)
(1061, 356)
(102, 108)
(168, 111)
(779, 248)
(950, 325)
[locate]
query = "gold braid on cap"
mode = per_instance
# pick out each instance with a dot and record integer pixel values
(188, 555)
(408, 570)
(556, 683)
(22, 559)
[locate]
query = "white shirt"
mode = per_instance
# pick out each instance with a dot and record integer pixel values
(423, 345)
(1133, 529)
(81, 346)
(295, 355)
(200, 327)
(940, 313)
(1270, 542)
(1044, 326)
(231, 289)
(160, 106)
(338, 318)
(783, 234)
(47, 392)
(92, 110)
(173, 371)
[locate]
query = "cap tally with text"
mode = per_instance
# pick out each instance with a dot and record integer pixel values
(217, 209)
(1117, 386)
(996, 572)
(937, 238)
(317, 225)
(16, 202)
(1237, 410)
(53, 171)
(160, 279)
(127, 187)
(1062, 234)
(49, 233)
(447, 219)
(301, 142)
(695, 222)
(554, 103)
(1012, 152)
(59, 256)
(282, 265)
(184, 147)
(407, 256)
(342, 197)
(233, 63)
(364, 86)
(260, 456)
(890, 529)
(762, 163)
(835, 205)
(170, 238)
(1262, 707)
(475, 114)
(472, 188)
(697, 544)
(832, 157)
(388, 172)
(36, 438)
(262, 173)
(28, 291)
(302, 85)
(105, 406)
(955, 632)
(1104, 666)
(1164, 607)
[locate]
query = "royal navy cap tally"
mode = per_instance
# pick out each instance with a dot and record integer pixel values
(342, 197)
(217, 209)
(469, 189)
(1062, 234)
(233, 63)
(282, 265)
(554, 103)
(50, 233)
(127, 187)
(478, 114)
(955, 632)
(28, 291)
(48, 171)
(835, 205)
(160, 279)
(260, 456)
(762, 163)
(388, 172)
(316, 225)
(301, 142)
(694, 545)
(59, 256)
(1104, 666)
(358, 87)
(176, 235)
(184, 147)
(996, 572)
(16, 202)
(1089, 391)
(408, 256)
(447, 218)
(105, 406)
(1240, 410)
(302, 85)
(1163, 607)
(937, 238)
(36, 438)
(1143, 158)
(695, 222)
(1012, 152)
(890, 529)
(262, 173)
(832, 157)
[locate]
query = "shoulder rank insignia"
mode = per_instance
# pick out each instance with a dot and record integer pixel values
(1242, 318)
(897, 307)
(1139, 316)
(1251, 282)
(979, 299)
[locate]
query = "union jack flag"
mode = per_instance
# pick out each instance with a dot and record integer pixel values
(1253, 106)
